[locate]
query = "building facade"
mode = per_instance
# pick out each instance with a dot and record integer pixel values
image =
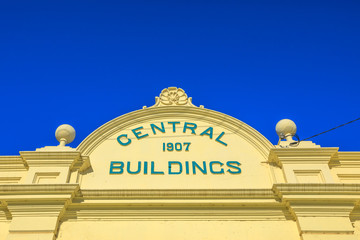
(177, 171)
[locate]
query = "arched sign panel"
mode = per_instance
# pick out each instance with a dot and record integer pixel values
(176, 147)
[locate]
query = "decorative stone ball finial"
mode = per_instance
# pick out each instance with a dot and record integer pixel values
(65, 134)
(285, 129)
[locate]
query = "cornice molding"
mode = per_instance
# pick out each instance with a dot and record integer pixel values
(319, 200)
(342, 192)
(178, 211)
(346, 159)
(282, 156)
(37, 189)
(12, 163)
(72, 159)
(283, 201)
(177, 194)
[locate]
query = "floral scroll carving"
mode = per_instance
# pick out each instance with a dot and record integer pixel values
(173, 96)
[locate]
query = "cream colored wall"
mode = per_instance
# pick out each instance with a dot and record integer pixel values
(4, 229)
(12, 170)
(357, 228)
(345, 167)
(179, 230)
(13, 177)
(255, 171)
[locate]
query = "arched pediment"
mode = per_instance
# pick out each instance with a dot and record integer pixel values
(175, 144)
(256, 139)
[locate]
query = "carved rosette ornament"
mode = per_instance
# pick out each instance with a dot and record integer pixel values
(173, 96)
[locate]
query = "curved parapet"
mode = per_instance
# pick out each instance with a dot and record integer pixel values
(178, 139)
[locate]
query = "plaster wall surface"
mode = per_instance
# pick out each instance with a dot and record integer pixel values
(357, 229)
(201, 149)
(179, 230)
(4, 229)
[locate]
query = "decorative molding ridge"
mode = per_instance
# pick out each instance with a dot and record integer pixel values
(12, 163)
(173, 96)
(71, 159)
(348, 192)
(177, 194)
(319, 200)
(280, 156)
(37, 189)
(346, 159)
(5, 210)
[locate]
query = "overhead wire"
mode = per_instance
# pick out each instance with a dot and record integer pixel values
(297, 142)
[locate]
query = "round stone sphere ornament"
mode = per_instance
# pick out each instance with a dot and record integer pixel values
(285, 128)
(65, 134)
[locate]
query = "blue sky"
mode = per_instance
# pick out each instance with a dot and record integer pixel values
(85, 63)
